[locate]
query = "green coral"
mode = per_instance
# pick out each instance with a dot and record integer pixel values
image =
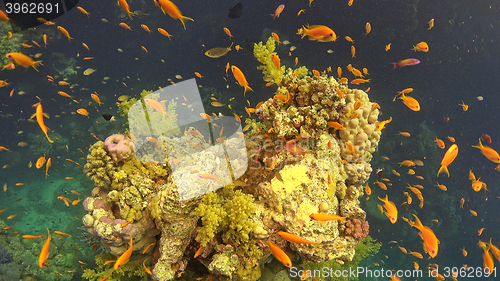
(366, 248)
(226, 211)
(264, 53)
(154, 124)
(100, 167)
(131, 271)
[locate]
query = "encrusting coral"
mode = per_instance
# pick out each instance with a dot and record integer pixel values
(309, 154)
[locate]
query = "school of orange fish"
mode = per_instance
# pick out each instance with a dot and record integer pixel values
(319, 33)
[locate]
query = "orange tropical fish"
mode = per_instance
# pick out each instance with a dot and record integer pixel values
(404, 134)
(326, 217)
(11, 217)
(353, 52)
(405, 62)
(489, 152)
(76, 202)
(125, 7)
(210, 177)
(96, 98)
(387, 47)
(148, 271)
(318, 33)
(64, 32)
(381, 185)
(335, 125)
(477, 185)
(198, 75)
(391, 211)
(410, 102)
(83, 11)
(431, 243)
(147, 248)
(294, 238)
(276, 60)
(439, 143)
(488, 261)
(44, 254)
(238, 75)
(165, 33)
(228, 32)
(123, 259)
(448, 157)
(64, 94)
(421, 47)
(442, 186)
(40, 162)
(32, 236)
(278, 11)
(158, 106)
(168, 7)
(417, 254)
(431, 24)
(464, 106)
(368, 190)
(86, 47)
(279, 254)
(124, 25)
(61, 233)
(294, 149)
(23, 60)
(82, 111)
(39, 119)
(47, 166)
(63, 83)
(360, 81)
(276, 37)
(382, 124)
(145, 27)
(368, 28)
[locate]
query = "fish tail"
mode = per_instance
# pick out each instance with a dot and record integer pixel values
(37, 63)
(247, 88)
(395, 64)
(443, 169)
(183, 20)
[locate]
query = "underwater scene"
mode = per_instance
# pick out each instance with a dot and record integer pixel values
(253, 140)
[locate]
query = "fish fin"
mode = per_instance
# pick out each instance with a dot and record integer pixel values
(443, 169)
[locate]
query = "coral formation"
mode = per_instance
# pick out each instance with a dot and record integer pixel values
(119, 147)
(357, 229)
(310, 153)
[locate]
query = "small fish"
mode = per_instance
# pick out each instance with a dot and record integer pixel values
(421, 47)
(405, 62)
(218, 52)
(82, 111)
(83, 11)
(278, 11)
(165, 33)
(326, 217)
(279, 254)
(89, 71)
(489, 152)
(124, 257)
(61, 233)
(108, 117)
(368, 28)
(64, 32)
(448, 157)
(44, 253)
(240, 77)
(431, 24)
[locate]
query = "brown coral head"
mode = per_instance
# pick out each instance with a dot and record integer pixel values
(119, 147)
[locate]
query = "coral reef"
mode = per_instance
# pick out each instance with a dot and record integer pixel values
(5, 255)
(310, 153)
